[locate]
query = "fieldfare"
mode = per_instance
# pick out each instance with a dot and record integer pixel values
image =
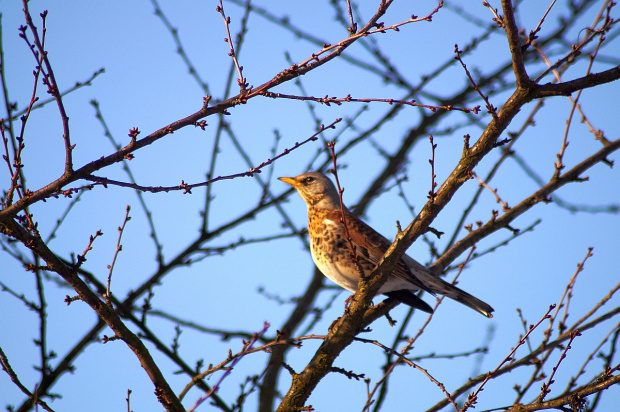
(331, 251)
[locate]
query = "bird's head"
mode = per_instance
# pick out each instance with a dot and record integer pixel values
(316, 189)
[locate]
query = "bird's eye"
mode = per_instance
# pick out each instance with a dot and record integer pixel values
(309, 179)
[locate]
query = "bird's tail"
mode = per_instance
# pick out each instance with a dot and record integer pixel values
(463, 297)
(436, 285)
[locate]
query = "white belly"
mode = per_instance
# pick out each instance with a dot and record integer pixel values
(333, 272)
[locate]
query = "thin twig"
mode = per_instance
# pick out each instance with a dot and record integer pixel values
(498, 199)
(241, 81)
(472, 398)
(544, 390)
(328, 101)
(247, 346)
(119, 247)
(431, 193)
(187, 187)
(331, 145)
(6, 366)
(353, 27)
(401, 358)
(491, 109)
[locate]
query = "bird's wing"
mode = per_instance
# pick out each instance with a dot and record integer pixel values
(371, 246)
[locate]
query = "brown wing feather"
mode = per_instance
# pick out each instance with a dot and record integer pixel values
(372, 246)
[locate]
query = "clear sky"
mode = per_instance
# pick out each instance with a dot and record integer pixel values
(146, 84)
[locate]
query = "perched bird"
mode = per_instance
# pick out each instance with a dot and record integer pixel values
(332, 254)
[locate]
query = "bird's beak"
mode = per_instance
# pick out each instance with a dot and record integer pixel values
(288, 180)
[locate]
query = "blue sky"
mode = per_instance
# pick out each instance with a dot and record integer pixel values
(147, 85)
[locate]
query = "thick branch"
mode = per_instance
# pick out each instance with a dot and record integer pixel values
(512, 34)
(569, 87)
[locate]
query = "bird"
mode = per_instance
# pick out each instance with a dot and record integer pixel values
(331, 251)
